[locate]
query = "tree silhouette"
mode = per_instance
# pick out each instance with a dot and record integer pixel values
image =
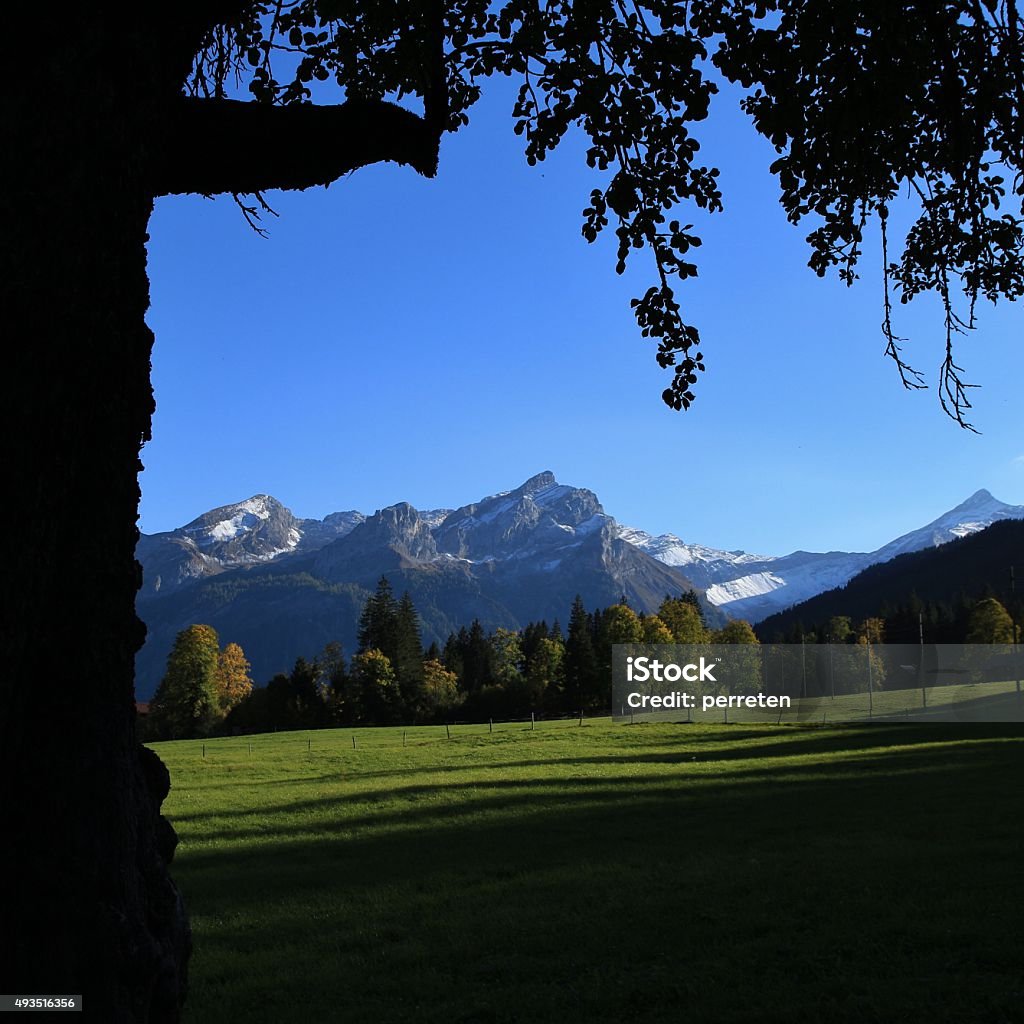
(103, 112)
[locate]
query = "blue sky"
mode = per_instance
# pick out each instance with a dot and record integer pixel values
(436, 341)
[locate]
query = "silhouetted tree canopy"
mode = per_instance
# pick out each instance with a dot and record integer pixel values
(864, 100)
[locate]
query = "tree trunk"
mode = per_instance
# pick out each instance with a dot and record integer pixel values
(95, 126)
(87, 904)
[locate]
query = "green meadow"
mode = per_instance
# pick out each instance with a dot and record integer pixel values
(599, 872)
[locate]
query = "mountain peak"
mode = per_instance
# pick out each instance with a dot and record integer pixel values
(980, 502)
(537, 483)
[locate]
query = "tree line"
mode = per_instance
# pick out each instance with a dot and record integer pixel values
(967, 620)
(475, 675)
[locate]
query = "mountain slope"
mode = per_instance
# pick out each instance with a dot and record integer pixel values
(968, 566)
(249, 532)
(754, 587)
(282, 587)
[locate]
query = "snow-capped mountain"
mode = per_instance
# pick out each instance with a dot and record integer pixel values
(754, 587)
(283, 586)
(542, 514)
(257, 530)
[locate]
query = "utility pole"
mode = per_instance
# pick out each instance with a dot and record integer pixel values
(871, 681)
(1016, 628)
(920, 671)
(831, 670)
(803, 665)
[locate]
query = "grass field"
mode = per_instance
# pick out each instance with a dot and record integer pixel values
(604, 873)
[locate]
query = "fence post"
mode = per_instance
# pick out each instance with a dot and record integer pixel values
(533, 722)
(403, 737)
(447, 731)
(353, 741)
(581, 716)
(490, 725)
(204, 751)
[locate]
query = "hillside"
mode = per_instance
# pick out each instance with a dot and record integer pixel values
(960, 570)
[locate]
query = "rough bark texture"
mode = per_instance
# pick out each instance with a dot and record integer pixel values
(90, 99)
(87, 904)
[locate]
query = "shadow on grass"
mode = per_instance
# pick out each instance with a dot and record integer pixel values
(898, 741)
(877, 889)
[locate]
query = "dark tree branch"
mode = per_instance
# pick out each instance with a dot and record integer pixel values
(215, 146)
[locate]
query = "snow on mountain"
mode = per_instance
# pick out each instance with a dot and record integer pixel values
(979, 511)
(536, 527)
(541, 514)
(705, 566)
(754, 587)
(435, 517)
(232, 520)
(257, 530)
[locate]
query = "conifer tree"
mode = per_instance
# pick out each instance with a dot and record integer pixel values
(454, 655)
(407, 656)
(476, 659)
(581, 672)
(378, 624)
(306, 702)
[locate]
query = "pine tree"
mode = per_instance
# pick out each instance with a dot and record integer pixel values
(378, 624)
(308, 710)
(580, 662)
(476, 658)
(454, 656)
(407, 656)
